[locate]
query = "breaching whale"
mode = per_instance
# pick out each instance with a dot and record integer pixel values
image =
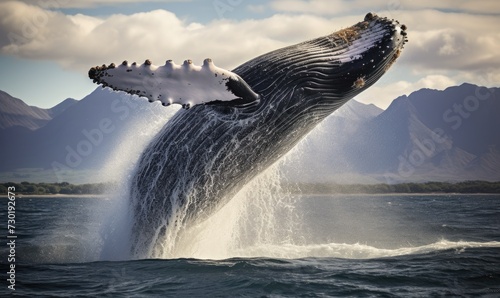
(237, 123)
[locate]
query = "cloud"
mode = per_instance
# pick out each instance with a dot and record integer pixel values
(464, 6)
(57, 4)
(462, 46)
(311, 6)
(454, 49)
(336, 7)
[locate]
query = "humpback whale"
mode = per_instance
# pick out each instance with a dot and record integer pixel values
(237, 123)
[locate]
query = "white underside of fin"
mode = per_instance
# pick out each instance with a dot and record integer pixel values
(185, 84)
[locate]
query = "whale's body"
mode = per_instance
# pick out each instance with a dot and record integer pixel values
(207, 153)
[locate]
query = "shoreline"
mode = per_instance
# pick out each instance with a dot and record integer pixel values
(65, 189)
(62, 196)
(397, 194)
(21, 196)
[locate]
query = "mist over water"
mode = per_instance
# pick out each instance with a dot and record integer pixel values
(260, 214)
(116, 219)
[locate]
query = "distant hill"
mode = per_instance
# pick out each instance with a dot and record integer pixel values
(450, 135)
(14, 112)
(61, 107)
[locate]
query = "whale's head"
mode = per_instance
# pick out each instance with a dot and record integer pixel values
(325, 72)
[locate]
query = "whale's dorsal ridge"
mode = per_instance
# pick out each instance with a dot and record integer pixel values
(186, 84)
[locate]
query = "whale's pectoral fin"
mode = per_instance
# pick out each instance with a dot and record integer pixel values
(185, 84)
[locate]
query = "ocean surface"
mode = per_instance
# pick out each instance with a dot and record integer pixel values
(330, 246)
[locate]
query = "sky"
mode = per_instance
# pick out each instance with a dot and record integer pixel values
(48, 46)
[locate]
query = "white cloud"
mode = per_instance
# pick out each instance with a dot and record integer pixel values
(467, 6)
(336, 7)
(462, 46)
(57, 4)
(457, 49)
(311, 6)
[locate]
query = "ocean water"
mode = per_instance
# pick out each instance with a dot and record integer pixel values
(298, 246)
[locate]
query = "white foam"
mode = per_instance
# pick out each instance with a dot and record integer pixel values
(353, 251)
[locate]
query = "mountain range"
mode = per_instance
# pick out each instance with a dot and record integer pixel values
(430, 135)
(14, 112)
(449, 135)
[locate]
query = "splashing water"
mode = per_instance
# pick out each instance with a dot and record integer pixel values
(117, 219)
(262, 213)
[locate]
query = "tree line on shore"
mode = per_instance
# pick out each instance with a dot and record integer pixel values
(29, 188)
(382, 188)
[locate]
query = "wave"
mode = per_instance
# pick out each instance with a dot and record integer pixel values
(355, 251)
